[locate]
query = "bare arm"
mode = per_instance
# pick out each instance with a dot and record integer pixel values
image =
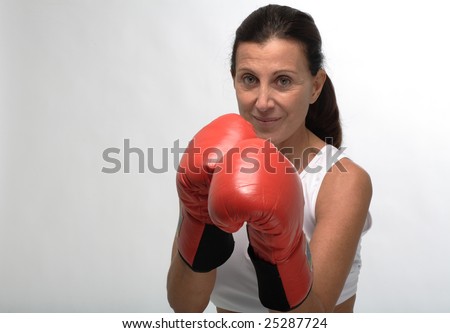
(187, 291)
(341, 210)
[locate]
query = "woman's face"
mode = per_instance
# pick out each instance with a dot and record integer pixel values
(274, 89)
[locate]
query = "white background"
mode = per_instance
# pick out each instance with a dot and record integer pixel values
(78, 77)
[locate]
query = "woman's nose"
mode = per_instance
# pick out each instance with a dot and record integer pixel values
(264, 101)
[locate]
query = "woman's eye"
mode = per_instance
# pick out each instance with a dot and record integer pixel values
(249, 80)
(284, 81)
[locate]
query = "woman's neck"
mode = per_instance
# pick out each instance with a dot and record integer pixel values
(301, 148)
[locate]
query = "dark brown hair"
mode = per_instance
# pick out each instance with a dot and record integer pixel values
(274, 21)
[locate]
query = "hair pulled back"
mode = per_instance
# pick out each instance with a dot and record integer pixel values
(274, 21)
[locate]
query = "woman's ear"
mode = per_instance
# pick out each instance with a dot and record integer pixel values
(318, 82)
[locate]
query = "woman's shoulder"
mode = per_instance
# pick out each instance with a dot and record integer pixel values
(335, 176)
(346, 188)
(339, 167)
(349, 174)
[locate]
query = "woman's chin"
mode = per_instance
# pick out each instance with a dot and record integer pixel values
(267, 136)
(264, 136)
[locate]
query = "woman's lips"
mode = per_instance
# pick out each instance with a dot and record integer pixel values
(266, 122)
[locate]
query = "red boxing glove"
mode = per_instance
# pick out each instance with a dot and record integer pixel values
(259, 185)
(202, 245)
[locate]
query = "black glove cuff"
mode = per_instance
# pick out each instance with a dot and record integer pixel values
(214, 249)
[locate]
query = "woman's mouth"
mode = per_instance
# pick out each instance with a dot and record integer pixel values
(266, 122)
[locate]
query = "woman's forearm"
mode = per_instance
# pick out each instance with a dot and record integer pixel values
(188, 291)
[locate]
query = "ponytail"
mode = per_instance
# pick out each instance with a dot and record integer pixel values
(323, 116)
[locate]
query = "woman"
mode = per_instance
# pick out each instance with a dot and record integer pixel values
(284, 92)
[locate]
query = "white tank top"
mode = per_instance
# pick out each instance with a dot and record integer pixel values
(236, 287)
